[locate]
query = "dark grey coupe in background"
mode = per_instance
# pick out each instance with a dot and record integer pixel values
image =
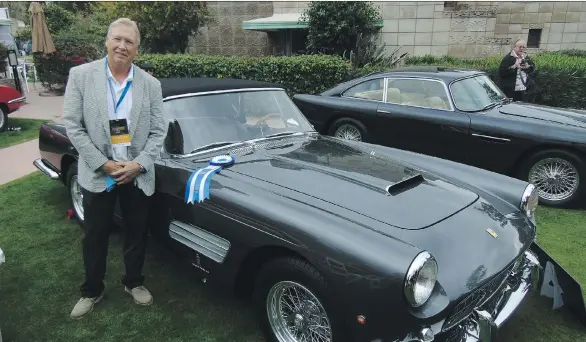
(460, 115)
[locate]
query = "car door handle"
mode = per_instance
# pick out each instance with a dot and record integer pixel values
(491, 138)
(383, 111)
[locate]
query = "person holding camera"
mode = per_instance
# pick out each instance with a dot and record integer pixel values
(515, 72)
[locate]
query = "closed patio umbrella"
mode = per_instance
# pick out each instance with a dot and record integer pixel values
(42, 41)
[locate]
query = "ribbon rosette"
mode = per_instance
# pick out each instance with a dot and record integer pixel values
(198, 185)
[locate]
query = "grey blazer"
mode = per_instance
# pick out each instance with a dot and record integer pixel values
(85, 115)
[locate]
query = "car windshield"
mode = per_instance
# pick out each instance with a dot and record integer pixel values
(202, 122)
(476, 93)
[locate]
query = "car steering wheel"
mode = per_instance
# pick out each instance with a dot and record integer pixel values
(265, 118)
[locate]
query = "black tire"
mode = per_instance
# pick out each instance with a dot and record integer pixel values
(3, 119)
(301, 273)
(70, 182)
(572, 159)
(349, 123)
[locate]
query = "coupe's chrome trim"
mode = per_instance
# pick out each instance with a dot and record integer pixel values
(199, 240)
(490, 137)
(465, 78)
(40, 164)
(447, 91)
(240, 90)
(18, 99)
(386, 86)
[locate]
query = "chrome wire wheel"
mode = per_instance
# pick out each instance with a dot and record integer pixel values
(76, 197)
(556, 179)
(296, 315)
(349, 132)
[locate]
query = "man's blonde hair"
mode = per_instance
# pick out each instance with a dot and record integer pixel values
(127, 22)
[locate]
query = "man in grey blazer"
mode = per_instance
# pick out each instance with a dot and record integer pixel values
(113, 114)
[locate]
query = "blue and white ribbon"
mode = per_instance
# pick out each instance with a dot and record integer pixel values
(198, 185)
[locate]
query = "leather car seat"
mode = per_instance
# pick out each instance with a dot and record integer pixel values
(436, 102)
(393, 95)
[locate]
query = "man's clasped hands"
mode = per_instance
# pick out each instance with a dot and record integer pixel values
(121, 172)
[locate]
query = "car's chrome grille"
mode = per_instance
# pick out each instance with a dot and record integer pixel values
(454, 335)
(464, 308)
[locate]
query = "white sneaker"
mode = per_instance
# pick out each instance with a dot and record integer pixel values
(84, 306)
(141, 295)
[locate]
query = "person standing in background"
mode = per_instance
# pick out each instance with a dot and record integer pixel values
(515, 72)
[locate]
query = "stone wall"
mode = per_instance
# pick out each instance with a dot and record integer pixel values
(473, 29)
(225, 36)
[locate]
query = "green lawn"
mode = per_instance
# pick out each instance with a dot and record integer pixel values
(29, 130)
(39, 282)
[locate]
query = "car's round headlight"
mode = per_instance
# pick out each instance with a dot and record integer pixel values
(421, 278)
(529, 201)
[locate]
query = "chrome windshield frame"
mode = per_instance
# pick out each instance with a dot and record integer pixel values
(244, 143)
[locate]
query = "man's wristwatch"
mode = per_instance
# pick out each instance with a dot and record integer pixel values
(142, 169)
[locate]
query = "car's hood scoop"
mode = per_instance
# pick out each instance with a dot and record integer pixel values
(382, 189)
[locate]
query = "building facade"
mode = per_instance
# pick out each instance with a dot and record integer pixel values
(459, 29)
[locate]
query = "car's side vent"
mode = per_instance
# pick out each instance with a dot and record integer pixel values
(405, 184)
(199, 240)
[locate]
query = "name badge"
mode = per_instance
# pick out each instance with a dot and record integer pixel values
(119, 133)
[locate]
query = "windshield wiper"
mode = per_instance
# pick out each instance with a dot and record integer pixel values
(502, 101)
(280, 134)
(216, 144)
(490, 105)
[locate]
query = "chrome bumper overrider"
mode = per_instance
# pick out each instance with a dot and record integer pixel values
(487, 318)
(483, 324)
(40, 164)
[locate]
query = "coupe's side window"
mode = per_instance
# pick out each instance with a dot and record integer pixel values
(371, 90)
(418, 93)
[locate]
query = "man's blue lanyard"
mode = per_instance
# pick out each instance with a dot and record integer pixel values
(113, 93)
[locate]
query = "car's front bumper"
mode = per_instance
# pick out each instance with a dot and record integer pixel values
(485, 321)
(487, 318)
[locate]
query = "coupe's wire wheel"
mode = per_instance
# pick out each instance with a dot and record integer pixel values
(556, 179)
(348, 132)
(296, 315)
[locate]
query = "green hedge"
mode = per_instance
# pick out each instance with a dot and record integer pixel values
(560, 77)
(298, 74)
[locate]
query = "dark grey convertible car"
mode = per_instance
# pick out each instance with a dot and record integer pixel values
(335, 240)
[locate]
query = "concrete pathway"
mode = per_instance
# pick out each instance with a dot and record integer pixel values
(17, 160)
(40, 107)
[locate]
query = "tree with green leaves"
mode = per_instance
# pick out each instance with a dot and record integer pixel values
(334, 27)
(164, 26)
